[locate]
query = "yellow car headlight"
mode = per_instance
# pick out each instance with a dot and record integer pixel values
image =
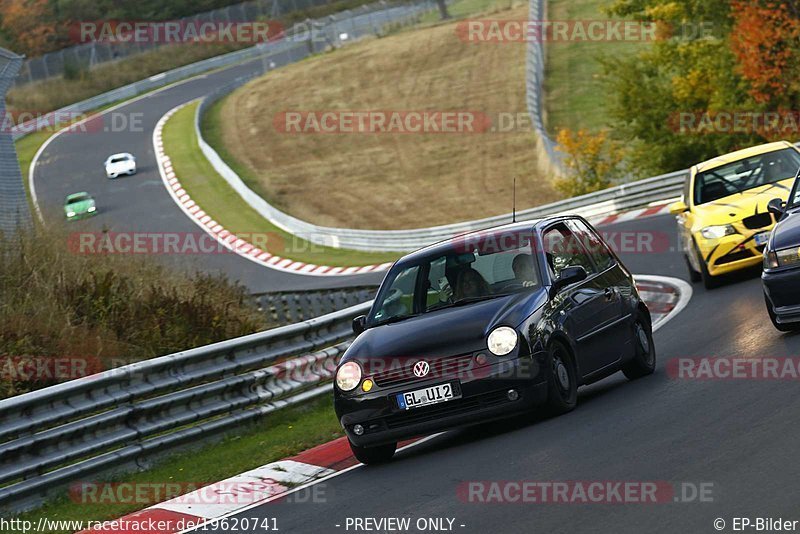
(718, 231)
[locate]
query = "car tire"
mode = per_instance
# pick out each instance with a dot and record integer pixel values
(709, 281)
(562, 382)
(644, 361)
(694, 276)
(373, 455)
(789, 327)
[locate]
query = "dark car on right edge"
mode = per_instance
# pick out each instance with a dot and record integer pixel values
(781, 275)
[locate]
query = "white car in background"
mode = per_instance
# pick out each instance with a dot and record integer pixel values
(120, 164)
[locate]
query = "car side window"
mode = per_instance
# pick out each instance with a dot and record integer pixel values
(563, 249)
(595, 246)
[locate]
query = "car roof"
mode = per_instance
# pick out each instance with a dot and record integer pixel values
(742, 154)
(444, 245)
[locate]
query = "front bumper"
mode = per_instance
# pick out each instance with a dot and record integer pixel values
(733, 252)
(782, 289)
(482, 398)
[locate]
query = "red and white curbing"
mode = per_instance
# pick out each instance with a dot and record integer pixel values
(262, 257)
(235, 494)
(665, 297)
(226, 238)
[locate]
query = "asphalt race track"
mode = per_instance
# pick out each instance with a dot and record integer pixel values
(140, 203)
(736, 437)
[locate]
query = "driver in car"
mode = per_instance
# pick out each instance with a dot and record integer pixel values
(470, 284)
(523, 270)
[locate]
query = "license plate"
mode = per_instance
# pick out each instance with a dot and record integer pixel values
(761, 238)
(426, 396)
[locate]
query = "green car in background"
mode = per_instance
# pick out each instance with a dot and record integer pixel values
(79, 205)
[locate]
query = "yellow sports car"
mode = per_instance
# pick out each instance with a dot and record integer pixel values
(723, 222)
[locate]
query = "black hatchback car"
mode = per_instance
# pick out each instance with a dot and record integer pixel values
(489, 324)
(781, 275)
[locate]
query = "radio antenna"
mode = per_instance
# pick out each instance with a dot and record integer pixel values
(514, 201)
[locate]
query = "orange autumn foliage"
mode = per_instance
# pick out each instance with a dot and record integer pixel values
(763, 40)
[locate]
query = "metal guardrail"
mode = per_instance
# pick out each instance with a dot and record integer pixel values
(353, 21)
(594, 205)
(104, 423)
(288, 307)
(534, 79)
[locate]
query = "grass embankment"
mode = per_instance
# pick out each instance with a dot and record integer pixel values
(93, 312)
(211, 192)
(575, 93)
(389, 180)
(281, 434)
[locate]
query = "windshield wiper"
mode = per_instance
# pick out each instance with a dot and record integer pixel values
(469, 300)
(394, 319)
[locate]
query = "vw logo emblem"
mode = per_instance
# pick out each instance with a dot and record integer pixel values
(421, 369)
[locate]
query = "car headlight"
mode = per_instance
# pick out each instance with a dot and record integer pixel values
(502, 340)
(70, 214)
(716, 232)
(91, 209)
(787, 257)
(348, 376)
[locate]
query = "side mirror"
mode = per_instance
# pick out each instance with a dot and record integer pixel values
(568, 276)
(359, 324)
(776, 207)
(678, 207)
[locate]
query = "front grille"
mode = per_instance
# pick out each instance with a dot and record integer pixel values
(440, 368)
(759, 220)
(735, 256)
(445, 409)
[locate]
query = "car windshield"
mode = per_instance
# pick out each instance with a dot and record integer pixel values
(119, 159)
(77, 199)
(745, 174)
(472, 268)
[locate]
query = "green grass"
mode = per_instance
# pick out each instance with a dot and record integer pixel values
(281, 434)
(575, 92)
(218, 199)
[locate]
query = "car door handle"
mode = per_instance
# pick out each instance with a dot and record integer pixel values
(610, 293)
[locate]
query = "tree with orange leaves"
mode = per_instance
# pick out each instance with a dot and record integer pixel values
(764, 40)
(29, 25)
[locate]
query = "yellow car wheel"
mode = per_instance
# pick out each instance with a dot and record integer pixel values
(709, 281)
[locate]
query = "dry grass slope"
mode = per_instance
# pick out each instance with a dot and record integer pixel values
(390, 181)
